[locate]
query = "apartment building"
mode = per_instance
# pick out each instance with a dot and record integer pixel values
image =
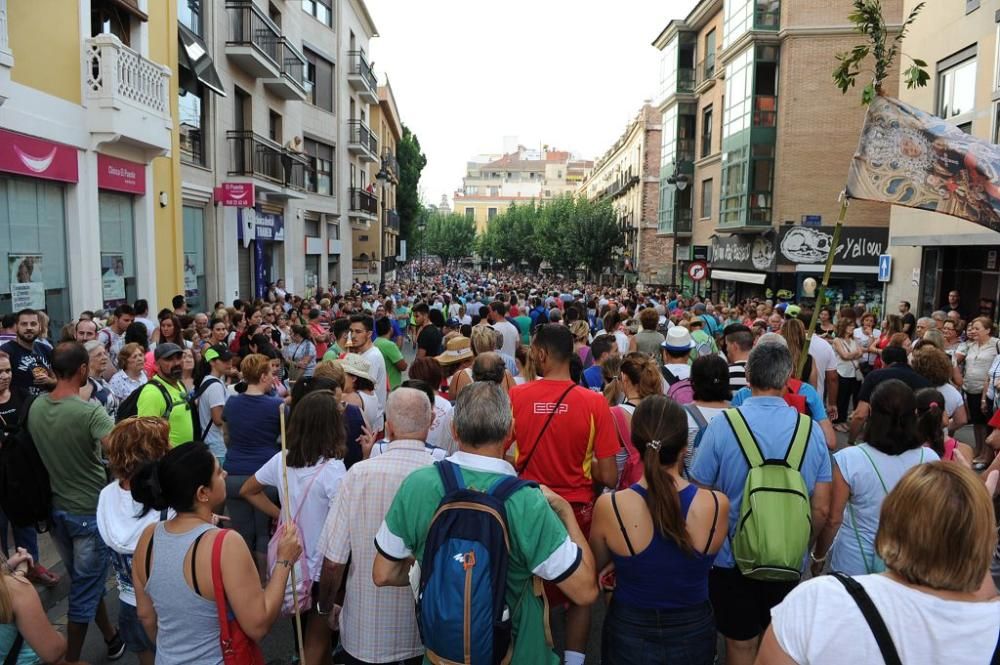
(934, 253)
(493, 183)
(86, 204)
(757, 142)
(628, 175)
(276, 149)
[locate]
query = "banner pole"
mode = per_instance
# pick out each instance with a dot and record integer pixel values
(288, 520)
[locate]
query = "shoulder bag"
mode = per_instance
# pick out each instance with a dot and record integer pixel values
(237, 647)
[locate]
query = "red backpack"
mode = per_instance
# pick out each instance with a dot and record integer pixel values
(794, 399)
(632, 472)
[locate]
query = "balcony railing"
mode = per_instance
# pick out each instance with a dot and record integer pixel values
(392, 220)
(116, 73)
(765, 110)
(360, 67)
(362, 201)
(683, 219)
(361, 135)
(685, 79)
(254, 155)
(705, 70)
(293, 64)
(250, 26)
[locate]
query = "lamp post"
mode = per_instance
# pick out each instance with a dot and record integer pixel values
(382, 177)
(680, 181)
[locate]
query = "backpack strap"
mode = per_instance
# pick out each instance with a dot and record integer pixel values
(796, 452)
(220, 592)
(618, 417)
(872, 617)
(748, 443)
(697, 415)
(878, 473)
(668, 375)
(451, 476)
(504, 488)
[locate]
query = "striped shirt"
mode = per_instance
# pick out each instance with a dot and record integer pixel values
(737, 375)
(376, 625)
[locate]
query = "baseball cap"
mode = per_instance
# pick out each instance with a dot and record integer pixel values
(452, 323)
(166, 350)
(218, 352)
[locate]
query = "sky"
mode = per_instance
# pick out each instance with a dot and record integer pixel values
(468, 73)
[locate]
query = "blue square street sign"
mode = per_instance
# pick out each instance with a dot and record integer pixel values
(884, 267)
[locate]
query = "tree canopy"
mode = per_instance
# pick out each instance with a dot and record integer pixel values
(411, 162)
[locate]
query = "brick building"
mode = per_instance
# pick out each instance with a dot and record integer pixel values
(629, 174)
(757, 142)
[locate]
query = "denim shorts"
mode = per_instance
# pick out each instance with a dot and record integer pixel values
(132, 632)
(87, 561)
(640, 636)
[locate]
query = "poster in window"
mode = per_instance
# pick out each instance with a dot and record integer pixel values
(113, 279)
(190, 275)
(27, 287)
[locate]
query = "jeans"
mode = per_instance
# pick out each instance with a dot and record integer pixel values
(24, 536)
(253, 525)
(86, 558)
(636, 636)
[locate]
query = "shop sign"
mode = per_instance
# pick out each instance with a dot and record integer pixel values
(743, 252)
(120, 175)
(859, 245)
(37, 158)
(236, 194)
(254, 224)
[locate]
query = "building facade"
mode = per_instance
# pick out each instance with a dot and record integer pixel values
(494, 183)
(757, 142)
(88, 206)
(933, 253)
(628, 175)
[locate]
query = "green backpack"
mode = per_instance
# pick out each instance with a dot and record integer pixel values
(775, 523)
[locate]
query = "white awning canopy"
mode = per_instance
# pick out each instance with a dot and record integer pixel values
(735, 276)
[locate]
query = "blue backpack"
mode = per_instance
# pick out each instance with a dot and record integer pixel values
(461, 609)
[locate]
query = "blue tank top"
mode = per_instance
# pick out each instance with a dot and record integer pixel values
(662, 577)
(8, 633)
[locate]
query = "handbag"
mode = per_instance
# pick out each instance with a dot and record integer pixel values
(237, 647)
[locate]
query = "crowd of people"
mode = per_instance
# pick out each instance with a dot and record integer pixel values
(704, 469)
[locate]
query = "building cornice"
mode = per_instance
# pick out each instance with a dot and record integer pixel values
(361, 9)
(696, 19)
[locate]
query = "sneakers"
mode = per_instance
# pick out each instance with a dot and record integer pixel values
(39, 574)
(116, 648)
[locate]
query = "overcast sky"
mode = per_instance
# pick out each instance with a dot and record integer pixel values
(467, 73)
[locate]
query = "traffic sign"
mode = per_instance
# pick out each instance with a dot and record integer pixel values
(698, 270)
(884, 267)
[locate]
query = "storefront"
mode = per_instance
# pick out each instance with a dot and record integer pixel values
(34, 174)
(973, 271)
(742, 266)
(195, 286)
(261, 234)
(119, 183)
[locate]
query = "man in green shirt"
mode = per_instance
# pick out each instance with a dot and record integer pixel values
(523, 322)
(545, 540)
(395, 365)
(152, 401)
(340, 331)
(68, 433)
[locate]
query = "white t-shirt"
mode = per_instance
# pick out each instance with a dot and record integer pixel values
(818, 623)
(680, 371)
(313, 513)
(214, 395)
(952, 398)
(511, 336)
(376, 362)
(824, 359)
(440, 432)
(709, 414)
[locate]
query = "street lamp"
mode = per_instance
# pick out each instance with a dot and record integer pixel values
(382, 177)
(679, 181)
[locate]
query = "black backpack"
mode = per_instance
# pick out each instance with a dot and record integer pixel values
(129, 407)
(25, 491)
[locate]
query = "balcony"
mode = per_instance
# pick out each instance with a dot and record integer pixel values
(392, 221)
(705, 73)
(362, 142)
(280, 173)
(364, 206)
(361, 77)
(765, 110)
(677, 221)
(6, 57)
(254, 41)
(290, 84)
(685, 79)
(127, 96)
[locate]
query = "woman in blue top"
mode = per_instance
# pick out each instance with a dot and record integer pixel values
(251, 431)
(662, 535)
(21, 613)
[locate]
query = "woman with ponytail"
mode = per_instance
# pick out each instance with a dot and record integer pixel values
(661, 535)
(932, 425)
(864, 474)
(172, 568)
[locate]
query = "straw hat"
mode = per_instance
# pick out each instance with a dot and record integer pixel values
(457, 350)
(355, 365)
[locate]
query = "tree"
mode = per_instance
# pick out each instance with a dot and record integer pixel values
(450, 237)
(593, 234)
(411, 163)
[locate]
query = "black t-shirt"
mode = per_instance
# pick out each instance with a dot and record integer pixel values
(899, 371)
(22, 362)
(10, 411)
(429, 340)
(910, 320)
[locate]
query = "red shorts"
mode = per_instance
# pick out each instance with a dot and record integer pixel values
(584, 513)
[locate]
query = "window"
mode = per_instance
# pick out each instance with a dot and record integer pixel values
(362, 238)
(490, 214)
(189, 14)
(996, 123)
(274, 126)
(320, 180)
(739, 84)
(709, 70)
(321, 10)
(971, 6)
(706, 131)
(957, 84)
(470, 213)
(494, 191)
(191, 113)
(738, 20)
(194, 256)
(319, 81)
(706, 198)
(107, 17)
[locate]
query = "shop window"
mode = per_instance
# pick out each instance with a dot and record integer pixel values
(319, 81)
(194, 257)
(321, 10)
(956, 81)
(33, 241)
(117, 248)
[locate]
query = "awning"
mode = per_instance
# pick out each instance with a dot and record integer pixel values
(735, 276)
(194, 56)
(847, 270)
(132, 7)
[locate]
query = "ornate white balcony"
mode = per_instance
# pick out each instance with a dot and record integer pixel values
(128, 96)
(6, 56)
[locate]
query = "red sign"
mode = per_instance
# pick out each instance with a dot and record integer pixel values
(237, 194)
(120, 175)
(698, 270)
(37, 158)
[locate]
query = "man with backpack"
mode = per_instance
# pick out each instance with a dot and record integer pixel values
(113, 336)
(165, 395)
(69, 434)
(454, 518)
(787, 500)
(676, 368)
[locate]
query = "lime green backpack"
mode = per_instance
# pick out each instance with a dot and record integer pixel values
(773, 531)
